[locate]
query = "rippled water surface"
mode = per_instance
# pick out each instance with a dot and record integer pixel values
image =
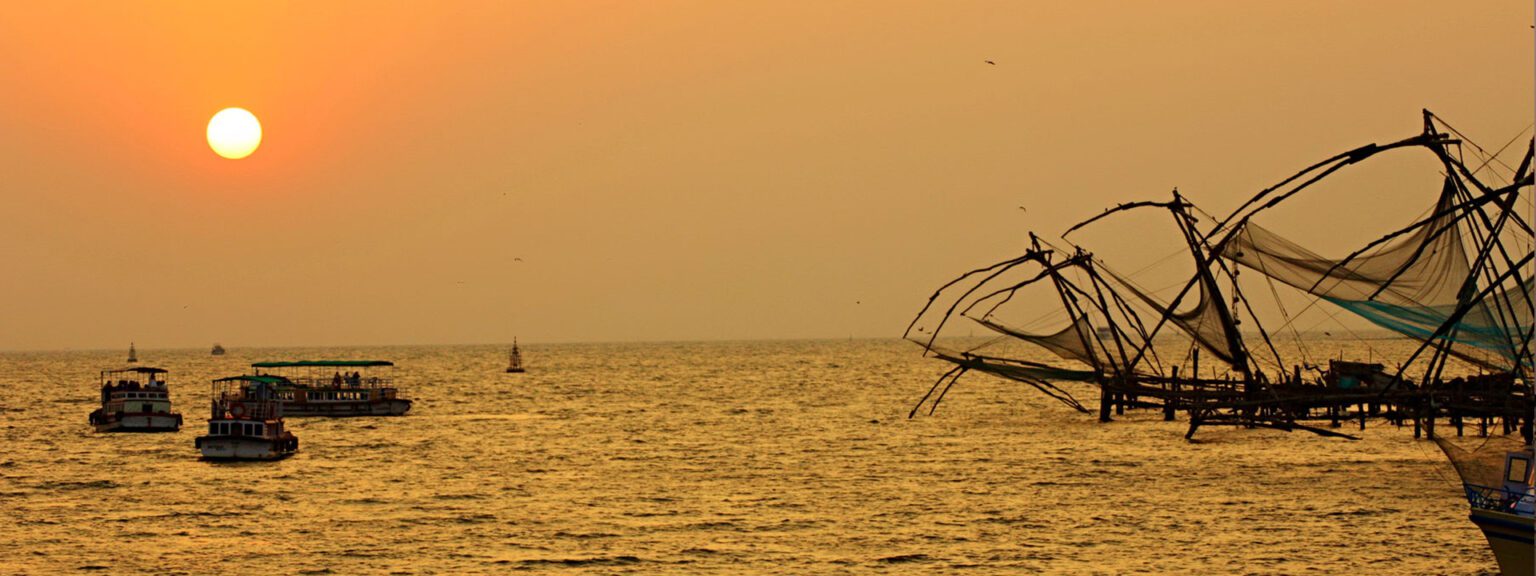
(772, 457)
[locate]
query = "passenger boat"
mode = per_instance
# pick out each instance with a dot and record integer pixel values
(218, 350)
(336, 387)
(133, 355)
(515, 360)
(247, 421)
(135, 400)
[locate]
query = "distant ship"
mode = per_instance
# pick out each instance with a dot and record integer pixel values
(515, 360)
(217, 349)
(133, 356)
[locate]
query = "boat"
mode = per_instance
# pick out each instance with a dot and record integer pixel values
(217, 349)
(135, 400)
(1496, 474)
(246, 422)
(335, 387)
(133, 355)
(515, 360)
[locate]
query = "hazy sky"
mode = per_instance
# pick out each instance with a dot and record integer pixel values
(665, 170)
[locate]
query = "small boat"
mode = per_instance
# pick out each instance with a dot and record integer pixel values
(135, 400)
(515, 360)
(247, 421)
(217, 349)
(353, 387)
(133, 356)
(1506, 512)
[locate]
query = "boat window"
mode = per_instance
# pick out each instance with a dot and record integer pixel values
(213, 428)
(223, 429)
(1519, 469)
(261, 429)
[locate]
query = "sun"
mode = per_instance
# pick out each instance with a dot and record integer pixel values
(234, 133)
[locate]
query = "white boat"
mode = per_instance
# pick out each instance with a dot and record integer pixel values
(246, 422)
(1507, 513)
(515, 360)
(1496, 472)
(335, 387)
(135, 400)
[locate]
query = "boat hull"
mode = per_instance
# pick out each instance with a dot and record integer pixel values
(1510, 537)
(140, 422)
(387, 407)
(246, 447)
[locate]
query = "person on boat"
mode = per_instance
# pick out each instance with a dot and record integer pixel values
(336, 380)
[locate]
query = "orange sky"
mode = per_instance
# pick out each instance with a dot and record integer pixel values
(666, 170)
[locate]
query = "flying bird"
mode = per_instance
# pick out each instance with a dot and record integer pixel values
(991, 62)
(517, 259)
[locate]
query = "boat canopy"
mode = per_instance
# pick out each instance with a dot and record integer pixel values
(137, 370)
(274, 380)
(323, 363)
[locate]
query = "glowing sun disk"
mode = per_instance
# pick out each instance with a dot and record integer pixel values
(234, 133)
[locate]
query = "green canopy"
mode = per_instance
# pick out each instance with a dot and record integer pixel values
(323, 363)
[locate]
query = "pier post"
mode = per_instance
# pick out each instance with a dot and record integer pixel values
(1168, 399)
(1104, 401)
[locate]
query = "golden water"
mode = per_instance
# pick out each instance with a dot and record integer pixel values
(713, 458)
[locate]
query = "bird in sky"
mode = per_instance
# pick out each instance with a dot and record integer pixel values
(991, 62)
(517, 259)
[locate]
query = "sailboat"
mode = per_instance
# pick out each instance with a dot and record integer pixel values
(133, 356)
(515, 360)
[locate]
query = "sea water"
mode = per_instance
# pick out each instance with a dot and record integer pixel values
(778, 457)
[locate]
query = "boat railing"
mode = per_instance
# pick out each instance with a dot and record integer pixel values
(1501, 500)
(238, 406)
(331, 382)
